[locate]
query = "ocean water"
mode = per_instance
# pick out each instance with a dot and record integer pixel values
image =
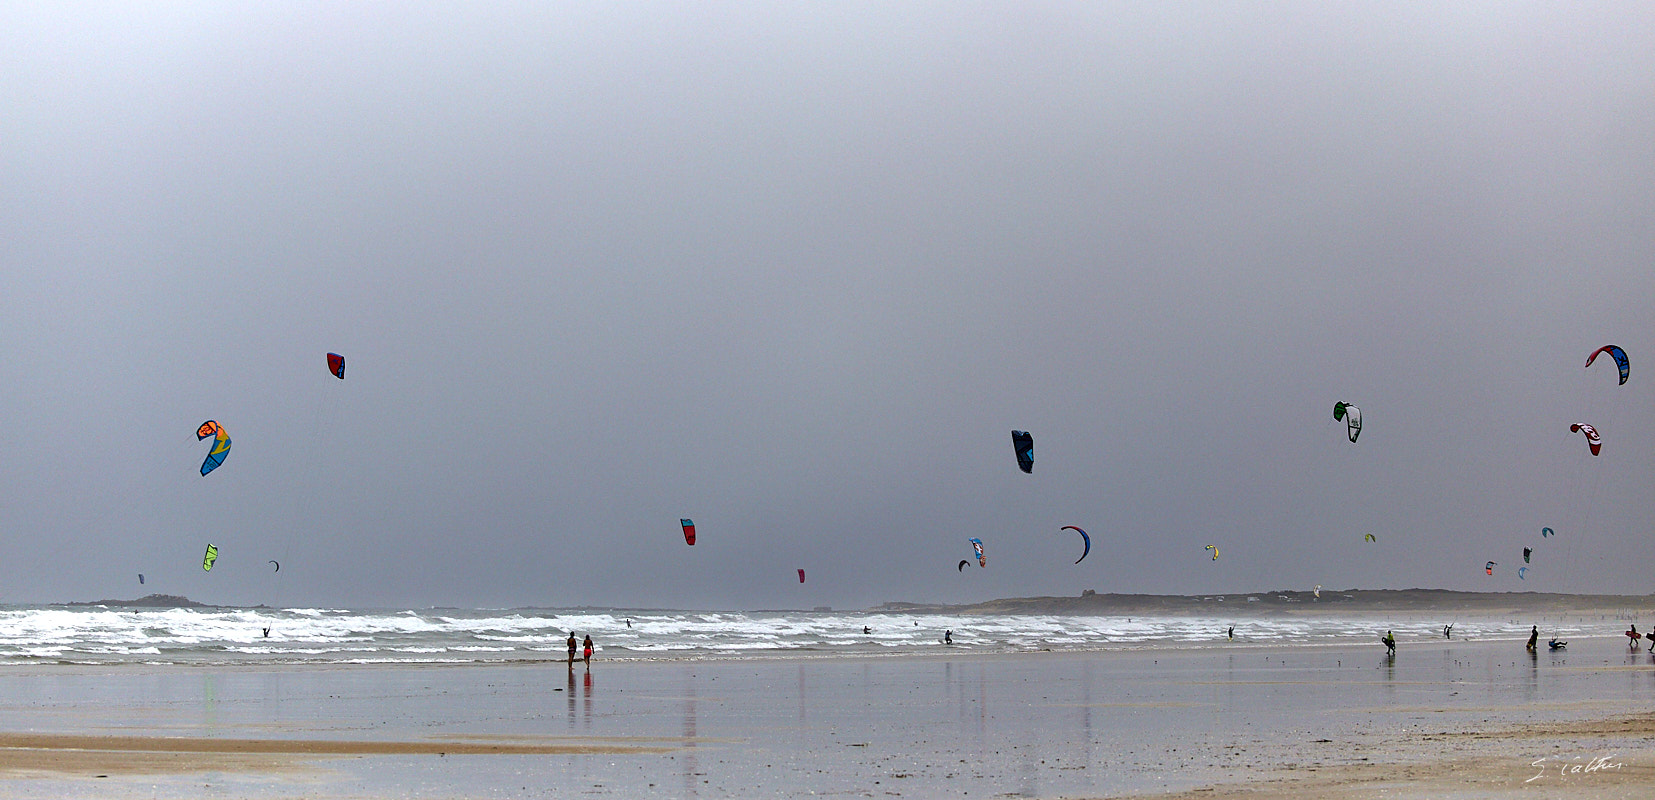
(224, 636)
(960, 724)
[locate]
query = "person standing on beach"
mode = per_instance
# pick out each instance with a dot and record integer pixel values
(586, 654)
(572, 644)
(1390, 644)
(1534, 637)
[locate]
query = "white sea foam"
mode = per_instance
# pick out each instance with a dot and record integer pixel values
(98, 635)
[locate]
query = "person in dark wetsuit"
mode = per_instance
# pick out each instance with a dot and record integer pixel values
(1534, 638)
(1390, 644)
(947, 637)
(1232, 633)
(266, 633)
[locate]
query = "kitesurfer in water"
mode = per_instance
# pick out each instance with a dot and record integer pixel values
(572, 645)
(1390, 644)
(266, 633)
(586, 651)
(866, 630)
(1448, 631)
(1534, 637)
(947, 637)
(1232, 633)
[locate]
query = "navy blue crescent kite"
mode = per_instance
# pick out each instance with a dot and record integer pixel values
(1084, 538)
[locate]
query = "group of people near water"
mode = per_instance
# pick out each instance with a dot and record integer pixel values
(1632, 637)
(586, 654)
(1554, 643)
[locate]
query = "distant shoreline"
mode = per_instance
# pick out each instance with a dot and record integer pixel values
(147, 601)
(1288, 602)
(1108, 604)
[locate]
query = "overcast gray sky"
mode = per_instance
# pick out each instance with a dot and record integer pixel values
(796, 270)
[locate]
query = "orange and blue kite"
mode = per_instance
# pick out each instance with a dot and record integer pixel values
(221, 445)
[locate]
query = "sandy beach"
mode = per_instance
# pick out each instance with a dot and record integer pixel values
(1449, 718)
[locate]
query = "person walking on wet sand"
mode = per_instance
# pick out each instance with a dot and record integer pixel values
(1390, 644)
(572, 645)
(586, 652)
(1632, 636)
(1534, 637)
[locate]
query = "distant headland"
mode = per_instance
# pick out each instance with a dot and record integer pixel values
(1091, 603)
(1290, 602)
(149, 601)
